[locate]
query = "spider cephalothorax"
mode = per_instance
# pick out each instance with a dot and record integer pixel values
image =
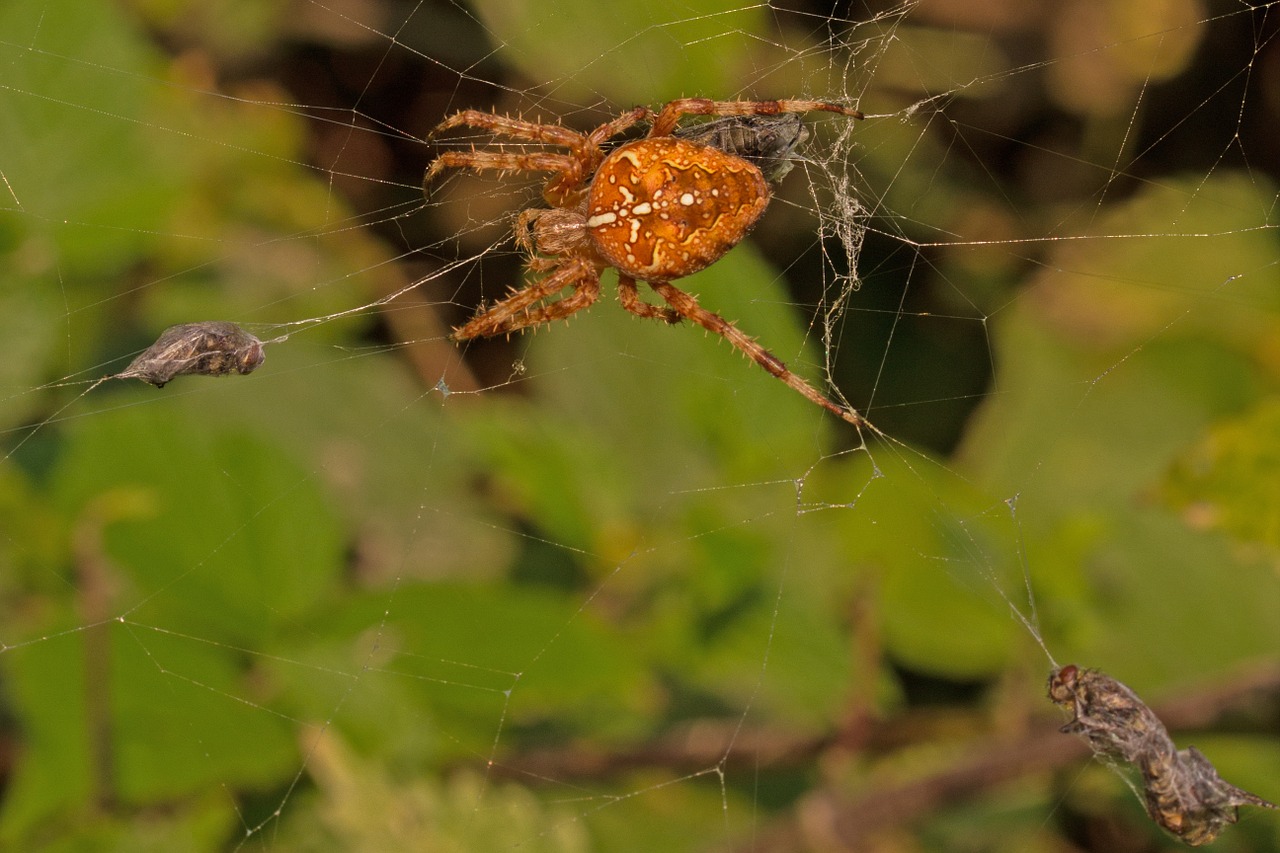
(655, 209)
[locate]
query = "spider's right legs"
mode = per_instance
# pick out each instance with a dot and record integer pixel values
(687, 306)
(517, 312)
(629, 296)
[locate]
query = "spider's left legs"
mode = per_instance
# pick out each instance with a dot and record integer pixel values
(671, 113)
(517, 312)
(686, 306)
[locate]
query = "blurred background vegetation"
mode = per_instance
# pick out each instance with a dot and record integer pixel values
(609, 586)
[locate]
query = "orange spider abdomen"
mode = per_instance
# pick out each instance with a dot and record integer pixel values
(663, 208)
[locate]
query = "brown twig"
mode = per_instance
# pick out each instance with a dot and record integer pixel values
(832, 819)
(843, 822)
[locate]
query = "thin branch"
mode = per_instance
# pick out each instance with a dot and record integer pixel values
(851, 821)
(831, 819)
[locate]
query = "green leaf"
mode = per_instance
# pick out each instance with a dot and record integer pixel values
(238, 539)
(1230, 480)
(438, 671)
(172, 722)
(656, 51)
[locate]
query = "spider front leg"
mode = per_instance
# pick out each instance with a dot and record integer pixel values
(516, 312)
(506, 161)
(686, 306)
(516, 128)
(572, 169)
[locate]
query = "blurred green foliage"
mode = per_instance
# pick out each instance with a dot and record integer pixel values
(305, 609)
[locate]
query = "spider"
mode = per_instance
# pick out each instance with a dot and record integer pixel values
(655, 209)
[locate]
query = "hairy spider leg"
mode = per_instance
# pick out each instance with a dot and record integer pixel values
(516, 311)
(516, 128)
(687, 306)
(570, 186)
(610, 129)
(501, 160)
(629, 296)
(572, 169)
(673, 111)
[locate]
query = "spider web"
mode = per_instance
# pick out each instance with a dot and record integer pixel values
(609, 585)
